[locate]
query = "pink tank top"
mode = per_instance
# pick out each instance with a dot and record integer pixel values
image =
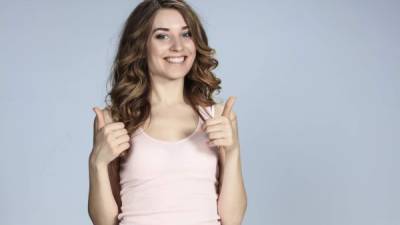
(170, 182)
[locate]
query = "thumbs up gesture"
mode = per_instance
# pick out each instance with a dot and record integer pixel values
(222, 130)
(110, 139)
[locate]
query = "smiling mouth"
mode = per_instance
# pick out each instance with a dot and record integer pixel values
(176, 60)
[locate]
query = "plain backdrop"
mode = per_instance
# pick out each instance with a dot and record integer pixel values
(318, 105)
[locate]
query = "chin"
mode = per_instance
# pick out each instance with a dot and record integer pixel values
(176, 75)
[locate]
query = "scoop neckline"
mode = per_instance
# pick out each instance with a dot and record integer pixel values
(173, 142)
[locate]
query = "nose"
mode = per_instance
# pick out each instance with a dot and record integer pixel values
(176, 44)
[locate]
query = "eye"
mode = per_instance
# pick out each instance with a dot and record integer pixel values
(161, 36)
(187, 34)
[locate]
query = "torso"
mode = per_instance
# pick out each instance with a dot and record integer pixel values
(171, 123)
(173, 177)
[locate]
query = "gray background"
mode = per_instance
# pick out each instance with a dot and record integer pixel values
(318, 105)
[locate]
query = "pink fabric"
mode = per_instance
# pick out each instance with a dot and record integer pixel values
(170, 183)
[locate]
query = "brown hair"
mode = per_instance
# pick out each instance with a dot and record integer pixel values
(130, 79)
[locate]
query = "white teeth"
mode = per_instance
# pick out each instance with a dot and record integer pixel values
(175, 59)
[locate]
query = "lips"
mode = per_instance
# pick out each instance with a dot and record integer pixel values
(175, 59)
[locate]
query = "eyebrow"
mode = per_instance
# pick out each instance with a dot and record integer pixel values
(166, 29)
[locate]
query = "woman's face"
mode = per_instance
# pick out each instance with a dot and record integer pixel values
(171, 50)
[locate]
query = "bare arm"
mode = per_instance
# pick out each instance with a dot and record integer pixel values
(103, 190)
(232, 200)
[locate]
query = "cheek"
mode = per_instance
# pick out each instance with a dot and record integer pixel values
(191, 59)
(156, 49)
(191, 50)
(192, 47)
(155, 54)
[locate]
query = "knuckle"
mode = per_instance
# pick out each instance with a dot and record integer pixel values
(115, 151)
(124, 146)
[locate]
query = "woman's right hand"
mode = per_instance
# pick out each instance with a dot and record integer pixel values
(110, 139)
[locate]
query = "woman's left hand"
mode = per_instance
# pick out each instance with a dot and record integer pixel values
(222, 130)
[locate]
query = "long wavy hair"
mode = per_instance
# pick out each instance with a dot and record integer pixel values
(130, 79)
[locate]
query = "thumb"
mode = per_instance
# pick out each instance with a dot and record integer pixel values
(100, 117)
(228, 106)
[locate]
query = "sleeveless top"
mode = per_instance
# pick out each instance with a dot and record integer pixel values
(170, 182)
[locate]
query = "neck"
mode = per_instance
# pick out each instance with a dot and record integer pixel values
(167, 93)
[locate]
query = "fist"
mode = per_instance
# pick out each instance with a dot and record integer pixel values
(110, 139)
(222, 130)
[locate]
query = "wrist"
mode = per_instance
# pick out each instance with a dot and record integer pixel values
(95, 164)
(233, 151)
(233, 156)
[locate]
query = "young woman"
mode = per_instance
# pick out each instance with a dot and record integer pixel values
(164, 152)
